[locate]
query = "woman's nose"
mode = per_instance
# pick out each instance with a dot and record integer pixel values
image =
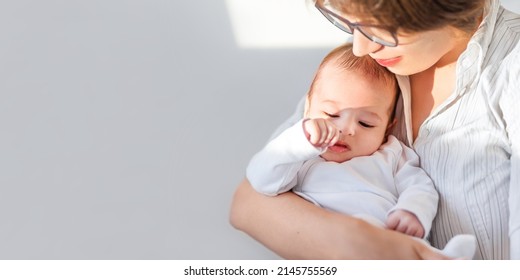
(361, 45)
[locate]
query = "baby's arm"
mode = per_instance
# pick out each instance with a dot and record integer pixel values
(417, 194)
(274, 169)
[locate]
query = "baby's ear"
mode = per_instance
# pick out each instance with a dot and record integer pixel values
(390, 127)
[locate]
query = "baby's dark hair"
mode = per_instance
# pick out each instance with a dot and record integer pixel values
(343, 57)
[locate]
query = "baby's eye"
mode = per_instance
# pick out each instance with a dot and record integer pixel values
(364, 124)
(331, 115)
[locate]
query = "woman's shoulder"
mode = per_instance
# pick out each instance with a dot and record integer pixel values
(502, 54)
(505, 39)
(507, 20)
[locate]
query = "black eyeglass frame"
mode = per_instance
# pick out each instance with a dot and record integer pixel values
(358, 26)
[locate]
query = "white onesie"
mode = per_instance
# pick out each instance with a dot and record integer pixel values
(369, 187)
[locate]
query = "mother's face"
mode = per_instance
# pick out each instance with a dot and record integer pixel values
(417, 52)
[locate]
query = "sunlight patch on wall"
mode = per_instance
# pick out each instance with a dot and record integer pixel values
(281, 24)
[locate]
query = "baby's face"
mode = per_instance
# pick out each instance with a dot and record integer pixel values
(357, 105)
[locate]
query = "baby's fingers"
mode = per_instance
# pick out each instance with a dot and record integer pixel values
(329, 132)
(392, 222)
(334, 137)
(311, 131)
(324, 131)
(412, 231)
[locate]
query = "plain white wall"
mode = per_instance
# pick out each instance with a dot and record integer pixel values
(127, 124)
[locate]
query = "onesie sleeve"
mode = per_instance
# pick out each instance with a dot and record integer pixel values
(510, 106)
(416, 191)
(274, 169)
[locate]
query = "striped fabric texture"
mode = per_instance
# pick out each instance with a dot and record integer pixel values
(470, 144)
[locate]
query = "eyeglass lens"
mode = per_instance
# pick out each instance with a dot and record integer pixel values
(376, 34)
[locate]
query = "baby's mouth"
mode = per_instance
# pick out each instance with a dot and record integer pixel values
(339, 148)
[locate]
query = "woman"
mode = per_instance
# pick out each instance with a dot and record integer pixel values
(458, 66)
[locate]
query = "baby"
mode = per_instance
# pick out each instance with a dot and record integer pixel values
(342, 157)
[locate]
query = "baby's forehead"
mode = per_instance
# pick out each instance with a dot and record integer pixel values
(368, 74)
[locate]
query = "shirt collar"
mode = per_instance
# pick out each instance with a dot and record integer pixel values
(470, 62)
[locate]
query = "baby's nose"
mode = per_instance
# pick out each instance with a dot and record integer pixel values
(346, 126)
(349, 130)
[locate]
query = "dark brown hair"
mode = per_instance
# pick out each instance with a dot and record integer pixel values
(415, 15)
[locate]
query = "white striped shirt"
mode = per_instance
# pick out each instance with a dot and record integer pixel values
(470, 144)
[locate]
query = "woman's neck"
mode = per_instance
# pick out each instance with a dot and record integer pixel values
(430, 88)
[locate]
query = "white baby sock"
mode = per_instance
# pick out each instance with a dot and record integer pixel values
(461, 246)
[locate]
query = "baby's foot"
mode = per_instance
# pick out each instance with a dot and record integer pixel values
(461, 246)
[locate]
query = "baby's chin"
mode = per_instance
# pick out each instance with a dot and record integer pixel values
(334, 157)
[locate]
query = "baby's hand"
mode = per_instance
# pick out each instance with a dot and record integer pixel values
(321, 133)
(405, 222)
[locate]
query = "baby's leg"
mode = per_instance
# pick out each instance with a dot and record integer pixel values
(462, 246)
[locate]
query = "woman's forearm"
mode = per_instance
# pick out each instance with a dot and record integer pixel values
(296, 229)
(287, 224)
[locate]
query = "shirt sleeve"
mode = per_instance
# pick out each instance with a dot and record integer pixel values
(274, 169)
(416, 191)
(510, 107)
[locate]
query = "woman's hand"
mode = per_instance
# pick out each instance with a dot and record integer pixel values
(297, 229)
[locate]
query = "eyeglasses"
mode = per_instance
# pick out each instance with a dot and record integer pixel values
(374, 33)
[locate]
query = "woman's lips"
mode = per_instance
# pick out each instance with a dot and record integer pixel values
(339, 148)
(388, 62)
